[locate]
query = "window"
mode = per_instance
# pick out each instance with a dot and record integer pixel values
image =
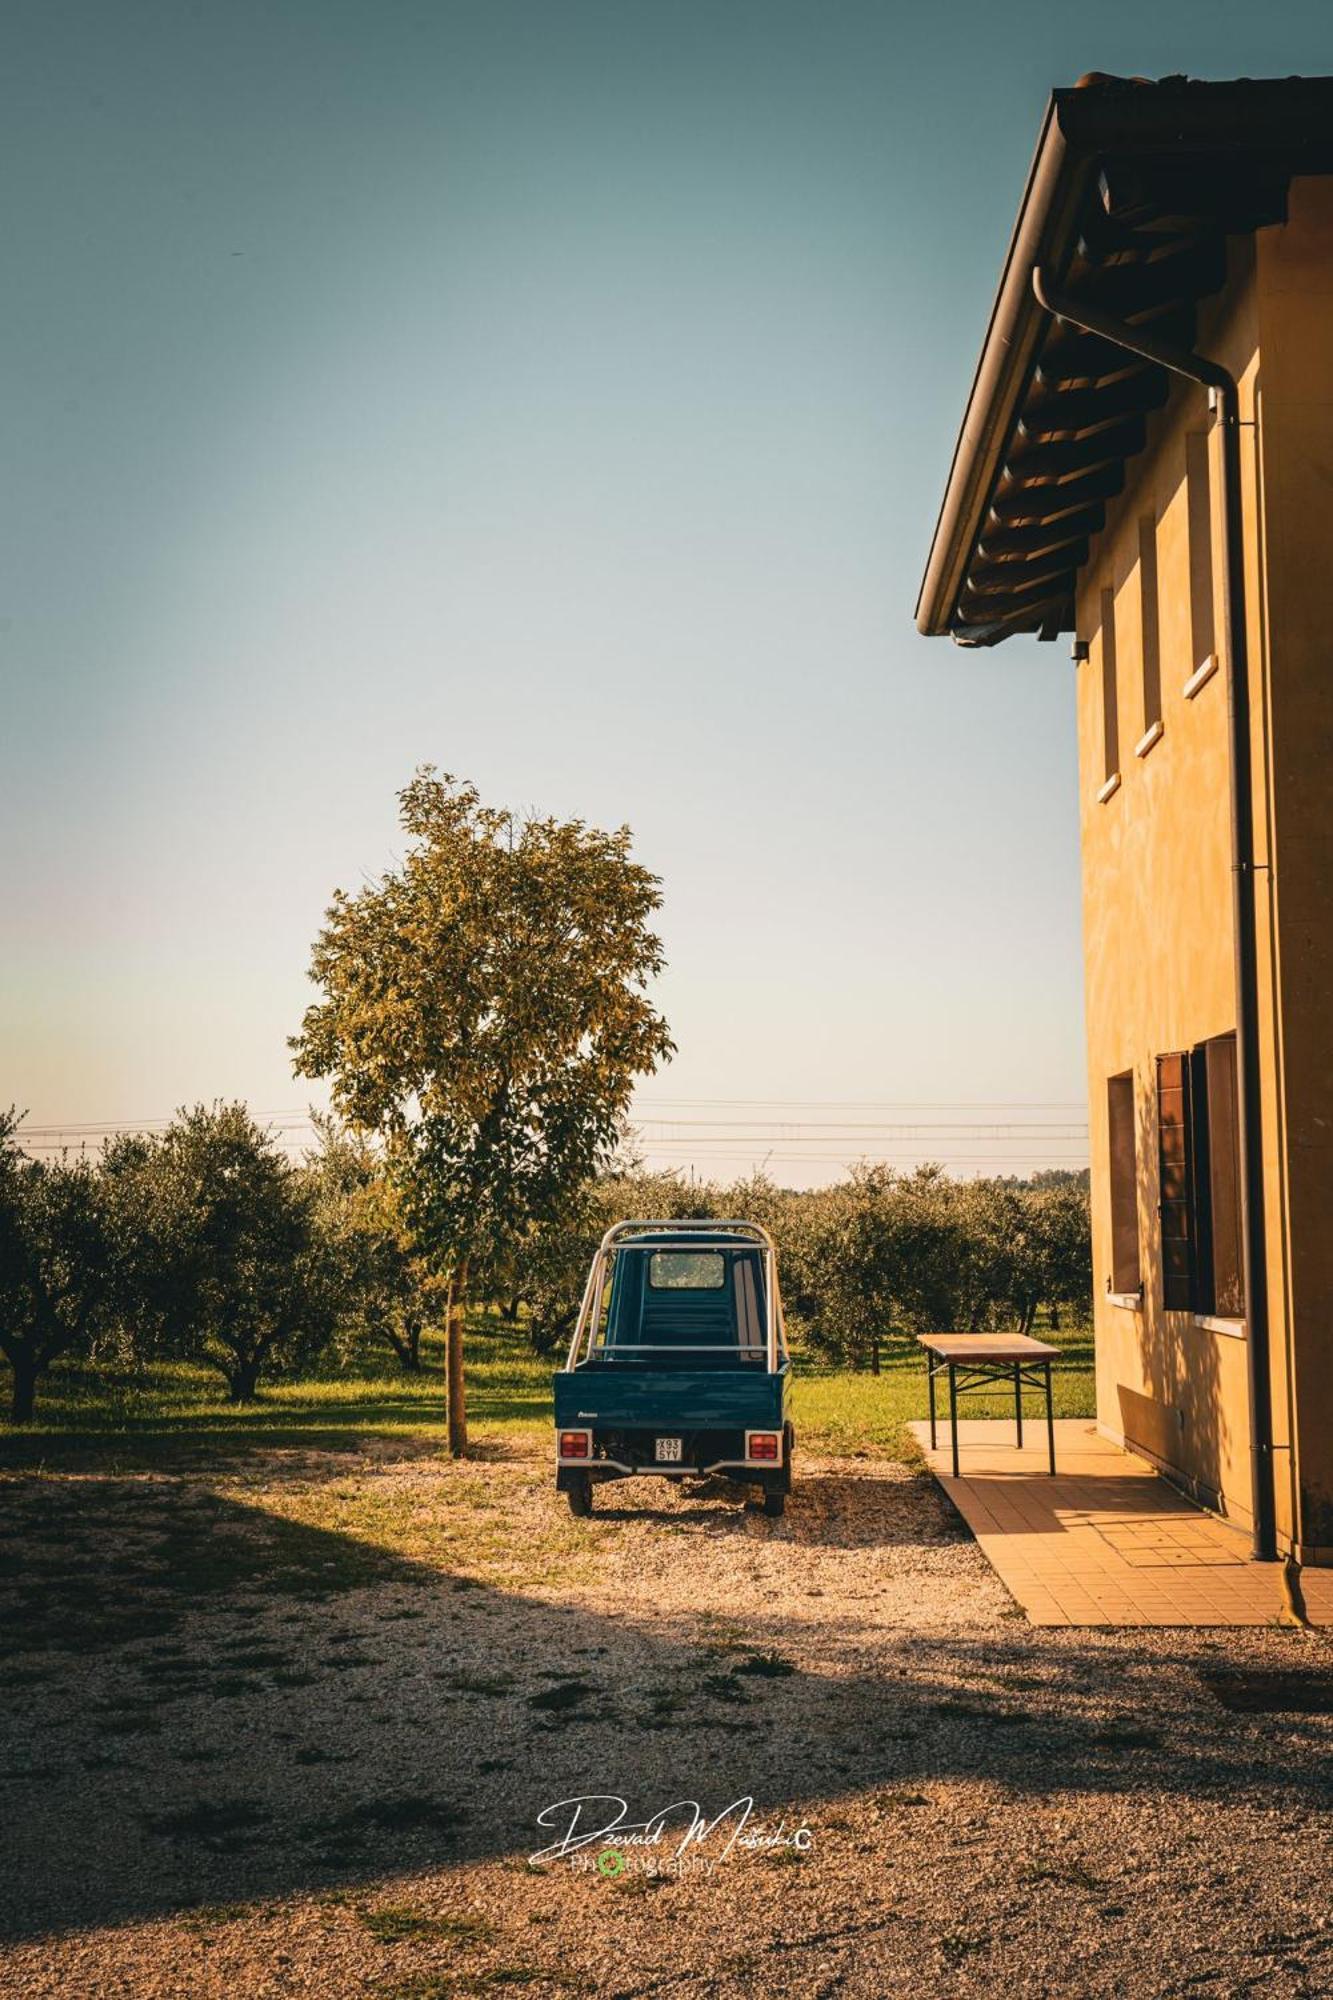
(1217, 1060)
(1125, 1276)
(1199, 1149)
(1110, 700)
(1173, 1199)
(687, 1271)
(749, 1317)
(1199, 499)
(1152, 644)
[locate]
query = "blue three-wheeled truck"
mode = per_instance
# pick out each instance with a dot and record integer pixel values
(678, 1365)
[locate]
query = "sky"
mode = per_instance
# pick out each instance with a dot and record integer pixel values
(562, 395)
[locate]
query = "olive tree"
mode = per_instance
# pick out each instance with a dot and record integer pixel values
(1062, 1232)
(485, 1014)
(384, 1290)
(54, 1263)
(875, 1256)
(222, 1257)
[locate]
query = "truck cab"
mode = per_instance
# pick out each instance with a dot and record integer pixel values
(678, 1365)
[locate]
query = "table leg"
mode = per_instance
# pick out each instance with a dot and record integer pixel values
(1050, 1419)
(953, 1414)
(930, 1380)
(1018, 1401)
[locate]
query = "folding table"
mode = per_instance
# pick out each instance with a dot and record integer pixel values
(980, 1361)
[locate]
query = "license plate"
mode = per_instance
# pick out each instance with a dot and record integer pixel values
(669, 1449)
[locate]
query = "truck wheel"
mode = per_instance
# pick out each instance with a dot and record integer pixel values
(774, 1504)
(579, 1495)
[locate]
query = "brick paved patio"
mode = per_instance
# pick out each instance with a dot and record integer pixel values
(1107, 1541)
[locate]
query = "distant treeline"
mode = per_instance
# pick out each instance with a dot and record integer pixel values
(204, 1242)
(878, 1256)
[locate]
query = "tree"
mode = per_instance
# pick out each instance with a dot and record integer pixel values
(223, 1259)
(998, 1274)
(54, 1263)
(383, 1288)
(877, 1255)
(1062, 1228)
(485, 1015)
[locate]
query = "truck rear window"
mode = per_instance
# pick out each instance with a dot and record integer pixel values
(687, 1271)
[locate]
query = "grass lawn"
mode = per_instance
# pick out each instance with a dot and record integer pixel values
(176, 1412)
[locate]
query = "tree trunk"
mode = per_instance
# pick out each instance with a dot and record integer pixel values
(509, 1311)
(453, 1360)
(26, 1371)
(243, 1379)
(407, 1348)
(874, 1355)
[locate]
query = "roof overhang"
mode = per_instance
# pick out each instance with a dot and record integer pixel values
(1132, 192)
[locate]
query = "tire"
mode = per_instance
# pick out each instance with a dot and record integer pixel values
(774, 1504)
(579, 1495)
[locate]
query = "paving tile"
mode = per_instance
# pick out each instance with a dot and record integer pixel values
(1106, 1542)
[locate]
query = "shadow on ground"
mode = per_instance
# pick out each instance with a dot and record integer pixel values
(204, 1702)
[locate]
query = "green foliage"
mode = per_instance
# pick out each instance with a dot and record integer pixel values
(54, 1259)
(484, 1011)
(383, 1289)
(220, 1254)
(485, 1015)
(887, 1253)
(175, 1415)
(204, 1244)
(880, 1255)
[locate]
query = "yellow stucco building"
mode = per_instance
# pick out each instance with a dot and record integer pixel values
(1146, 466)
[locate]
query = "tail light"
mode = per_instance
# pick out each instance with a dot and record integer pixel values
(763, 1445)
(576, 1444)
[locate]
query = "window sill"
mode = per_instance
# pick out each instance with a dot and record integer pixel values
(1149, 737)
(1201, 676)
(1109, 789)
(1127, 1301)
(1234, 1329)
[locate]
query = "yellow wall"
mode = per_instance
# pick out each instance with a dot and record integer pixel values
(1156, 865)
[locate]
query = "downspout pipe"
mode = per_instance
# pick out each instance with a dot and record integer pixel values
(1211, 375)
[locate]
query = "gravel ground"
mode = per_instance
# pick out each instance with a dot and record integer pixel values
(289, 1733)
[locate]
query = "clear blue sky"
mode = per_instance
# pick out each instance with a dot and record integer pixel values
(561, 394)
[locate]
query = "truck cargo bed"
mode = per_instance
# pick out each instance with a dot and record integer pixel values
(614, 1393)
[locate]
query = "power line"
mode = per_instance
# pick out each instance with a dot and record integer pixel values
(843, 1127)
(871, 1105)
(301, 1114)
(781, 1130)
(759, 1127)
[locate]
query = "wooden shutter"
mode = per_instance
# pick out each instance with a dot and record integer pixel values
(1175, 1197)
(1227, 1271)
